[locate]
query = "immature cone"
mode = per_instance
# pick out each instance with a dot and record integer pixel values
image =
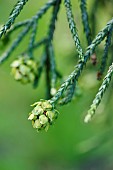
(24, 70)
(43, 115)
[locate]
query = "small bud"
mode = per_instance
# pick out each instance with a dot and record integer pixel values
(34, 104)
(16, 63)
(31, 117)
(46, 105)
(87, 118)
(29, 63)
(43, 119)
(50, 115)
(90, 114)
(37, 110)
(24, 69)
(53, 91)
(37, 124)
(18, 76)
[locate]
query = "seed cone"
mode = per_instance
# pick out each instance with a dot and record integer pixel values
(24, 70)
(43, 115)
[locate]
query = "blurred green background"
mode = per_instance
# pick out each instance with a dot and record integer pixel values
(69, 144)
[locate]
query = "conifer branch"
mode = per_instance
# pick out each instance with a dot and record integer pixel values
(13, 15)
(15, 44)
(73, 29)
(16, 11)
(44, 9)
(53, 20)
(43, 41)
(41, 12)
(48, 78)
(25, 69)
(32, 38)
(53, 73)
(85, 21)
(78, 69)
(69, 93)
(99, 95)
(105, 55)
(16, 26)
(93, 17)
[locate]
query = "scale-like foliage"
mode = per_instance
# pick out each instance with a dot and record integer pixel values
(27, 70)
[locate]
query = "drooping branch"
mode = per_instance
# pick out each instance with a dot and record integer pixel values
(13, 15)
(78, 68)
(99, 95)
(73, 29)
(85, 21)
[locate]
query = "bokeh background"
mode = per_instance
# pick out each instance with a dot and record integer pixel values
(70, 144)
